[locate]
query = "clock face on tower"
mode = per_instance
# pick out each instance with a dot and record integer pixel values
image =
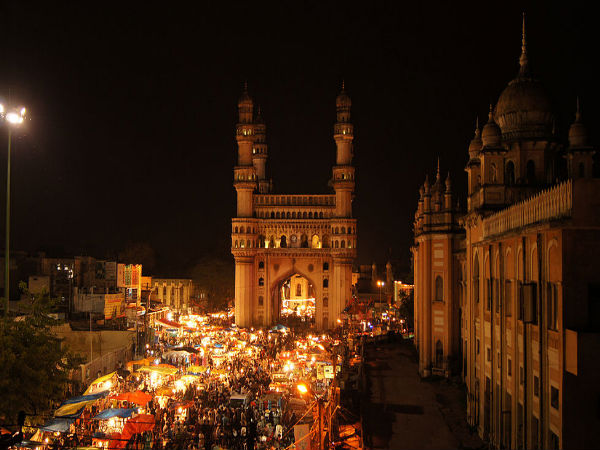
(294, 238)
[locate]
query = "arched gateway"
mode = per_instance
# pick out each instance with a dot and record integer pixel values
(276, 236)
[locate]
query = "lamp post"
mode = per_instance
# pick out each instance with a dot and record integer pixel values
(305, 389)
(12, 118)
(380, 284)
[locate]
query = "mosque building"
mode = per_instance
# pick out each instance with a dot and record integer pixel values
(507, 294)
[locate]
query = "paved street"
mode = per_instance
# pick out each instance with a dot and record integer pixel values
(405, 412)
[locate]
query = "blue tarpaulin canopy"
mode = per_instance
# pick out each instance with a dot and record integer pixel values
(115, 412)
(279, 327)
(85, 398)
(57, 425)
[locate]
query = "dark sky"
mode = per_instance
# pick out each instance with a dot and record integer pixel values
(133, 109)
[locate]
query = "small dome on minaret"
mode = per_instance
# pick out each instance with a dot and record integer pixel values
(578, 136)
(343, 100)
(490, 136)
(245, 98)
(475, 145)
(448, 183)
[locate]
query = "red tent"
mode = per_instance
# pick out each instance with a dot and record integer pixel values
(139, 424)
(137, 397)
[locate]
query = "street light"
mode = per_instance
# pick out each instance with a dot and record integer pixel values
(304, 389)
(380, 284)
(13, 118)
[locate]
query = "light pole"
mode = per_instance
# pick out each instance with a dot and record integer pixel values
(305, 389)
(12, 118)
(380, 284)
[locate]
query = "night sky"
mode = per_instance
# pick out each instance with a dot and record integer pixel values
(133, 109)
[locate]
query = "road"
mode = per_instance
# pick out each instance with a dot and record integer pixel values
(402, 411)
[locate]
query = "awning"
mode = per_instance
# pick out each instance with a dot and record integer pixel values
(115, 412)
(159, 370)
(72, 410)
(95, 385)
(57, 425)
(85, 398)
(168, 323)
(196, 369)
(137, 397)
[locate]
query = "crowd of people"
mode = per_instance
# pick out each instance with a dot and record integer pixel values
(230, 404)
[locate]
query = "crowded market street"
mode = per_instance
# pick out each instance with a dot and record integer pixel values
(203, 383)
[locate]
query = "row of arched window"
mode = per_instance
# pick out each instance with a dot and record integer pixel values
(342, 230)
(261, 282)
(243, 177)
(291, 215)
(244, 230)
(341, 243)
(295, 200)
(509, 173)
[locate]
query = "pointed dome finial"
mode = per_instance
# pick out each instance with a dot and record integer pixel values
(578, 111)
(245, 85)
(437, 176)
(523, 59)
(491, 114)
(343, 85)
(477, 129)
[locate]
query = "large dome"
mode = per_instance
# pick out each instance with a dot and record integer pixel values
(524, 110)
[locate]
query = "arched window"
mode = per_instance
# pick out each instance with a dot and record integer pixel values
(298, 290)
(343, 244)
(283, 242)
(336, 244)
(277, 215)
(294, 215)
(287, 216)
(236, 229)
(325, 266)
(343, 230)
(248, 244)
(261, 281)
(337, 230)
(349, 244)
(304, 241)
(261, 300)
(261, 264)
(325, 302)
(236, 244)
(325, 322)
(304, 215)
(315, 241)
(272, 215)
(325, 241)
(476, 279)
(530, 172)
(310, 215)
(242, 244)
(439, 289)
(510, 173)
(325, 282)
(271, 242)
(241, 229)
(439, 354)
(581, 170)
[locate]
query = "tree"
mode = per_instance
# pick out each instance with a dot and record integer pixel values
(139, 253)
(214, 277)
(34, 368)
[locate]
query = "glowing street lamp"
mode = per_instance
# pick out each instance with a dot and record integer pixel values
(380, 284)
(13, 118)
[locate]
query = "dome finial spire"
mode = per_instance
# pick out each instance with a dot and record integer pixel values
(491, 113)
(343, 85)
(523, 59)
(578, 111)
(438, 169)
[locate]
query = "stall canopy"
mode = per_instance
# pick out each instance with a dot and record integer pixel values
(100, 384)
(85, 398)
(137, 397)
(115, 412)
(139, 424)
(57, 425)
(72, 410)
(168, 323)
(196, 369)
(159, 370)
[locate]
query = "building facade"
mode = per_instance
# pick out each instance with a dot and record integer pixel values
(277, 236)
(507, 294)
(175, 293)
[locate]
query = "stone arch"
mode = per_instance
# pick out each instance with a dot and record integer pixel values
(242, 230)
(275, 289)
(304, 215)
(310, 215)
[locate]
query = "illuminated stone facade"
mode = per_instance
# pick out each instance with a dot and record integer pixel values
(507, 295)
(275, 236)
